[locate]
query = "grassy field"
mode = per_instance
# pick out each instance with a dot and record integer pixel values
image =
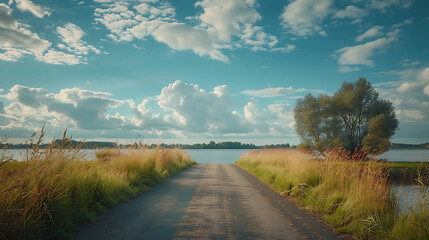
(353, 196)
(52, 193)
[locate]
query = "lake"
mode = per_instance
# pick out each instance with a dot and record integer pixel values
(406, 155)
(410, 197)
(231, 155)
(202, 156)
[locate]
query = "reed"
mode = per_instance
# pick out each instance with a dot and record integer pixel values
(56, 190)
(352, 193)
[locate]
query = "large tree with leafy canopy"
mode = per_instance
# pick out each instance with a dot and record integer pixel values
(354, 118)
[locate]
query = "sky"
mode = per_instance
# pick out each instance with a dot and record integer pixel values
(193, 71)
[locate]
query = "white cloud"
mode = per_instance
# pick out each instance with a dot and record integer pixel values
(414, 114)
(384, 4)
(201, 111)
(414, 86)
(375, 31)
(346, 69)
(185, 110)
(72, 36)
(283, 118)
(407, 92)
(183, 37)
(276, 92)
(222, 24)
(144, 118)
(304, 17)
(362, 54)
(59, 58)
(405, 22)
(226, 18)
(351, 12)
(37, 10)
(13, 35)
(86, 109)
(13, 54)
(255, 116)
(409, 63)
(426, 90)
(16, 41)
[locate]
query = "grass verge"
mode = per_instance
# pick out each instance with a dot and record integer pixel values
(352, 196)
(52, 193)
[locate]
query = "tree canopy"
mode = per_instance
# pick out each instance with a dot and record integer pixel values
(353, 118)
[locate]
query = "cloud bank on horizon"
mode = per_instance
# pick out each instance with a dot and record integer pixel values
(380, 39)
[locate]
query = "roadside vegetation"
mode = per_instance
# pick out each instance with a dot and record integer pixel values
(352, 193)
(56, 190)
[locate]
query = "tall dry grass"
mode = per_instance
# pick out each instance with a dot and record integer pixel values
(54, 191)
(352, 193)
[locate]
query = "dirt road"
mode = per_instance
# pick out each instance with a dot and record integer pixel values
(208, 201)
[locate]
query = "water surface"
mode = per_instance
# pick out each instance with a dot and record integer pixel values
(216, 155)
(410, 197)
(406, 155)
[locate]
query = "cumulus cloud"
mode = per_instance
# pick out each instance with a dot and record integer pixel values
(201, 111)
(406, 90)
(422, 82)
(375, 31)
(351, 12)
(58, 57)
(304, 17)
(13, 35)
(85, 109)
(71, 35)
(181, 110)
(16, 41)
(222, 24)
(36, 10)
(144, 118)
(255, 116)
(283, 118)
(180, 36)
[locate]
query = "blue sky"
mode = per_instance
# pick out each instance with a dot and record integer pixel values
(193, 71)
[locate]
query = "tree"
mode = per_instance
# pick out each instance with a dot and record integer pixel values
(353, 117)
(315, 124)
(308, 120)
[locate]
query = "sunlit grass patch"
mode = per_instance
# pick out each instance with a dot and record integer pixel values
(51, 193)
(352, 195)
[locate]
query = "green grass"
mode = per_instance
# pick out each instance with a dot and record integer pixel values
(51, 194)
(409, 172)
(352, 196)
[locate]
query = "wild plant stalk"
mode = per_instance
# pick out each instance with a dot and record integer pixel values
(351, 192)
(56, 190)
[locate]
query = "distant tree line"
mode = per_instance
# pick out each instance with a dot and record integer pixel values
(72, 143)
(211, 145)
(353, 118)
(97, 144)
(410, 146)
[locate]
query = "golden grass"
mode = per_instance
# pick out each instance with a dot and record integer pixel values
(352, 195)
(54, 191)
